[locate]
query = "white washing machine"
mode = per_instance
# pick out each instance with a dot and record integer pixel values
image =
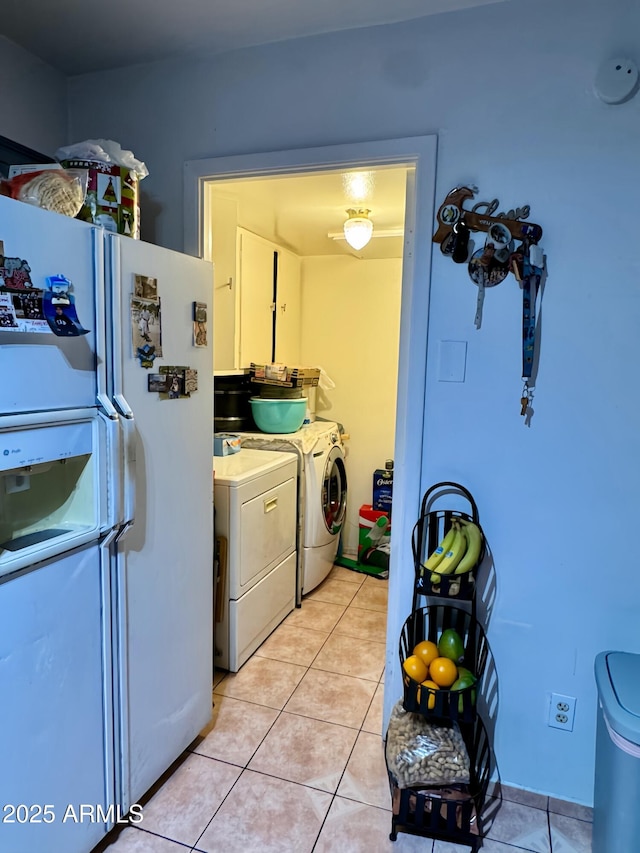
(325, 506)
(322, 494)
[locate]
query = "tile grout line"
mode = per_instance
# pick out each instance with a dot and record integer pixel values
(571, 817)
(165, 837)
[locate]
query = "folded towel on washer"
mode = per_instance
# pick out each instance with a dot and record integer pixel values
(305, 438)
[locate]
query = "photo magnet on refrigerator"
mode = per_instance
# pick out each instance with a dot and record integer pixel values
(15, 273)
(146, 355)
(145, 287)
(181, 381)
(158, 382)
(199, 324)
(146, 325)
(59, 309)
(22, 312)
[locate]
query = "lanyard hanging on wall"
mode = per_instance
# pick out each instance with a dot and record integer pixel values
(528, 267)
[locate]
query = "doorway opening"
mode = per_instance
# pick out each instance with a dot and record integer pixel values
(290, 289)
(414, 159)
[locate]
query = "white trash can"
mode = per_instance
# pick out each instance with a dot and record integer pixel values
(616, 807)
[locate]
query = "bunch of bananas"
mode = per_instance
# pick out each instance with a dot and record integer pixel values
(457, 553)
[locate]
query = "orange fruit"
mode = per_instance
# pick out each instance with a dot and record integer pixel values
(431, 702)
(426, 651)
(443, 671)
(415, 668)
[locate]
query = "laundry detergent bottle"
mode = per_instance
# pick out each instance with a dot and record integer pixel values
(383, 487)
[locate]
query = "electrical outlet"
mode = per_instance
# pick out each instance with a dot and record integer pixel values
(562, 710)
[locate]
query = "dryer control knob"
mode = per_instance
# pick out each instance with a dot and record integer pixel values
(334, 438)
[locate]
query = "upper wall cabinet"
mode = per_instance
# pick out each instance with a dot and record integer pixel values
(288, 305)
(256, 265)
(269, 301)
(256, 304)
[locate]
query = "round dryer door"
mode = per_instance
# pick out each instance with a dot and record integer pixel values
(334, 491)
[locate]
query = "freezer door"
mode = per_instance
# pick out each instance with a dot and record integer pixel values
(55, 714)
(165, 559)
(42, 371)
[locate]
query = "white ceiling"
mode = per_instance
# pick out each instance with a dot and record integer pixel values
(298, 212)
(76, 36)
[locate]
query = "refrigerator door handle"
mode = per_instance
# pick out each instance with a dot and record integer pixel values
(110, 697)
(107, 407)
(114, 265)
(126, 421)
(129, 437)
(114, 516)
(123, 532)
(123, 406)
(101, 324)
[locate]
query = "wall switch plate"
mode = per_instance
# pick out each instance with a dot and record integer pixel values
(452, 361)
(562, 711)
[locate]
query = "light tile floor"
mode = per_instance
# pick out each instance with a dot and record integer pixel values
(292, 761)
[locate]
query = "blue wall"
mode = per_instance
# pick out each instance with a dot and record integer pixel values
(33, 100)
(508, 90)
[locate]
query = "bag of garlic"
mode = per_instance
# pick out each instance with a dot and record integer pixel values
(420, 753)
(60, 190)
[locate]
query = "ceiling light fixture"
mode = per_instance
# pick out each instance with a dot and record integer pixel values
(358, 228)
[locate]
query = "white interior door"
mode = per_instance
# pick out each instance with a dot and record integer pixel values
(165, 572)
(53, 715)
(42, 371)
(255, 270)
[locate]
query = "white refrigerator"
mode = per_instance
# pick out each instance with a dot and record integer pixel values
(106, 524)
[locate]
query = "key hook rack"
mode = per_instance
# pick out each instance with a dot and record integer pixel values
(452, 212)
(511, 247)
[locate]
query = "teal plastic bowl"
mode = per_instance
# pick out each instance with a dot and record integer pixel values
(278, 415)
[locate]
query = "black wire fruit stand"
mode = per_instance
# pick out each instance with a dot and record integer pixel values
(449, 814)
(428, 531)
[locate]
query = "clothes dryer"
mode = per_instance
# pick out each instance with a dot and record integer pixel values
(255, 499)
(322, 494)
